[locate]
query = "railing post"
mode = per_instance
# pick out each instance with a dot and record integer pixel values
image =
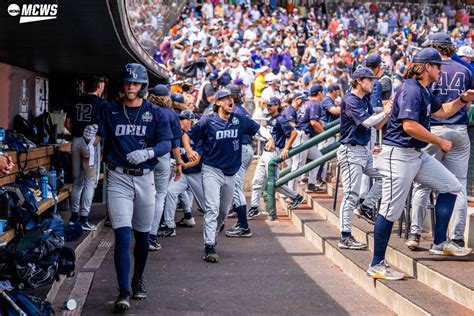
(270, 195)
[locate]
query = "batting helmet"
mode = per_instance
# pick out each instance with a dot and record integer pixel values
(136, 73)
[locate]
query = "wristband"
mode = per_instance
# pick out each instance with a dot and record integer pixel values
(462, 100)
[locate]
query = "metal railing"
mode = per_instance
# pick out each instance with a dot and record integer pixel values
(329, 152)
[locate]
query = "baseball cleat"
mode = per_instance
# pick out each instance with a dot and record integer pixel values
(239, 232)
(138, 289)
(253, 213)
(88, 226)
(167, 232)
(210, 254)
(154, 245)
(384, 271)
(413, 241)
(187, 222)
(232, 214)
(459, 242)
(449, 248)
(296, 201)
(312, 188)
(365, 213)
(351, 243)
(122, 303)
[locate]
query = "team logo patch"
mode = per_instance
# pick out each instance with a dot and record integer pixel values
(235, 121)
(274, 121)
(147, 117)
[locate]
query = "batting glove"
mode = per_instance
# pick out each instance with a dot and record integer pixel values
(90, 131)
(138, 156)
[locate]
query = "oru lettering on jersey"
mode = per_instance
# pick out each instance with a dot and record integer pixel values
(130, 130)
(230, 133)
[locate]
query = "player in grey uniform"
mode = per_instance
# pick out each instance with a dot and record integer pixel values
(85, 151)
(241, 228)
(454, 80)
(280, 129)
(160, 96)
(221, 133)
(189, 180)
(135, 132)
(354, 156)
(402, 161)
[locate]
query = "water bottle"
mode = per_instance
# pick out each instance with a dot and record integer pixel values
(44, 186)
(61, 175)
(35, 134)
(46, 138)
(52, 171)
(2, 139)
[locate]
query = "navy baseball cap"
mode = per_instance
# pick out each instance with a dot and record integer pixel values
(213, 75)
(363, 72)
(315, 89)
(428, 55)
(223, 93)
(438, 38)
(186, 114)
(274, 101)
(176, 97)
(333, 87)
(373, 60)
(160, 90)
(301, 96)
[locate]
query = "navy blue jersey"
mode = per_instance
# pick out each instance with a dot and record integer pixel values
(175, 126)
(242, 111)
(280, 129)
(453, 80)
(354, 111)
(308, 111)
(413, 102)
(145, 127)
(222, 140)
(197, 148)
(326, 104)
(290, 114)
(375, 97)
(85, 111)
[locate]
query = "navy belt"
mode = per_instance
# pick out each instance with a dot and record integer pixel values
(130, 172)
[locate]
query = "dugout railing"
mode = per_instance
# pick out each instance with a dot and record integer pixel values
(329, 152)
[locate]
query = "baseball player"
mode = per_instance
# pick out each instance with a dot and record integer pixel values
(453, 81)
(221, 133)
(354, 155)
(280, 130)
(374, 63)
(241, 229)
(190, 179)
(402, 160)
(308, 124)
(160, 96)
(135, 133)
(84, 112)
(330, 111)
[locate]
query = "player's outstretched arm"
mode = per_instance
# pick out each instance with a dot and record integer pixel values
(190, 153)
(450, 108)
(289, 142)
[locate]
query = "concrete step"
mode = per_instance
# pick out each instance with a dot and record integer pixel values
(452, 277)
(407, 297)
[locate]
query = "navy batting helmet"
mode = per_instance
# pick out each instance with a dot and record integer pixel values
(136, 73)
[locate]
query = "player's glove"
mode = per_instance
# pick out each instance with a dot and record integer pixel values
(138, 156)
(90, 131)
